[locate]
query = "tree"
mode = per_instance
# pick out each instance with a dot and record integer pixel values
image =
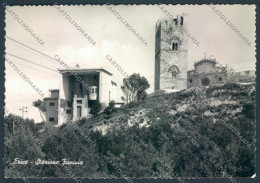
(110, 109)
(96, 108)
(134, 87)
(41, 105)
(24, 144)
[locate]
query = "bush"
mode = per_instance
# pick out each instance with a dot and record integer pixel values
(110, 109)
(63, 125)
(96, 108)
(112, 104)
(249, 111)
(232, 86)
(82, 121)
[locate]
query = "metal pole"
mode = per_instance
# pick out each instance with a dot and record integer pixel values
(23, 109)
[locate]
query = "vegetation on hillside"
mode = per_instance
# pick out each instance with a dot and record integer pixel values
(206, 132)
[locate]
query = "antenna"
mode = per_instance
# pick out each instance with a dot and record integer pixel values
(23, 109)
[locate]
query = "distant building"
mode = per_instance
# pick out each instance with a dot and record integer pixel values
(75, 99)
(51, 107)
(206, 73)
(247, 76)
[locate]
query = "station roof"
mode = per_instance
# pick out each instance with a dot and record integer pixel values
(85, 71)
(53, 90)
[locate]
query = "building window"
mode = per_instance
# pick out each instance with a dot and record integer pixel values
(174, 70)
(174, 46)
(181, 20)
(190, 80)
(220, 78)
(52, 104)
(68, 111)
(93, 90)
(205, 81)
(79, 101)
(69, 104)
(51, 119)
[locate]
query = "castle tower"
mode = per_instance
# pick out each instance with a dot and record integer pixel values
(171, 54)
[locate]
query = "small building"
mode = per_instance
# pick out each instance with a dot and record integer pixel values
(206, 73)
(247, 76)
(79, 90)
(51, 107)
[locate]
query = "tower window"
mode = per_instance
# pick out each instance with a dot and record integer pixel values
(174, 70)
(181, 20)
(174, 46)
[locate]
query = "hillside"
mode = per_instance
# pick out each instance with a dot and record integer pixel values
(190, 107)
(191, 133)
(187, 128)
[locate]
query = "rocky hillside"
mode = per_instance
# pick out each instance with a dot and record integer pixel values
(186, 128)
(192, 133)
(191, 106)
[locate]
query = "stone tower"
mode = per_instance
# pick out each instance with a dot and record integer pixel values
(171, 54)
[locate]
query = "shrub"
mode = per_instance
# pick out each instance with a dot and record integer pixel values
(96, 108)
(232, 86)
(110, 109)
(249, 110)
(82, 121)
(63, 125)
(112, 104)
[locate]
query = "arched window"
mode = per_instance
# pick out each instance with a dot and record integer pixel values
(174, 43)
(174, 70)
(173, 46)
(205, 81)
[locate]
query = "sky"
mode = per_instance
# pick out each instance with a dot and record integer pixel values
(112, 37)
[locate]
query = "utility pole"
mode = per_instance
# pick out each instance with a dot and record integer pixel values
(23, 109)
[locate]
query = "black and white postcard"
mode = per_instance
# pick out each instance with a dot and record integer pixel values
(130, 92)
